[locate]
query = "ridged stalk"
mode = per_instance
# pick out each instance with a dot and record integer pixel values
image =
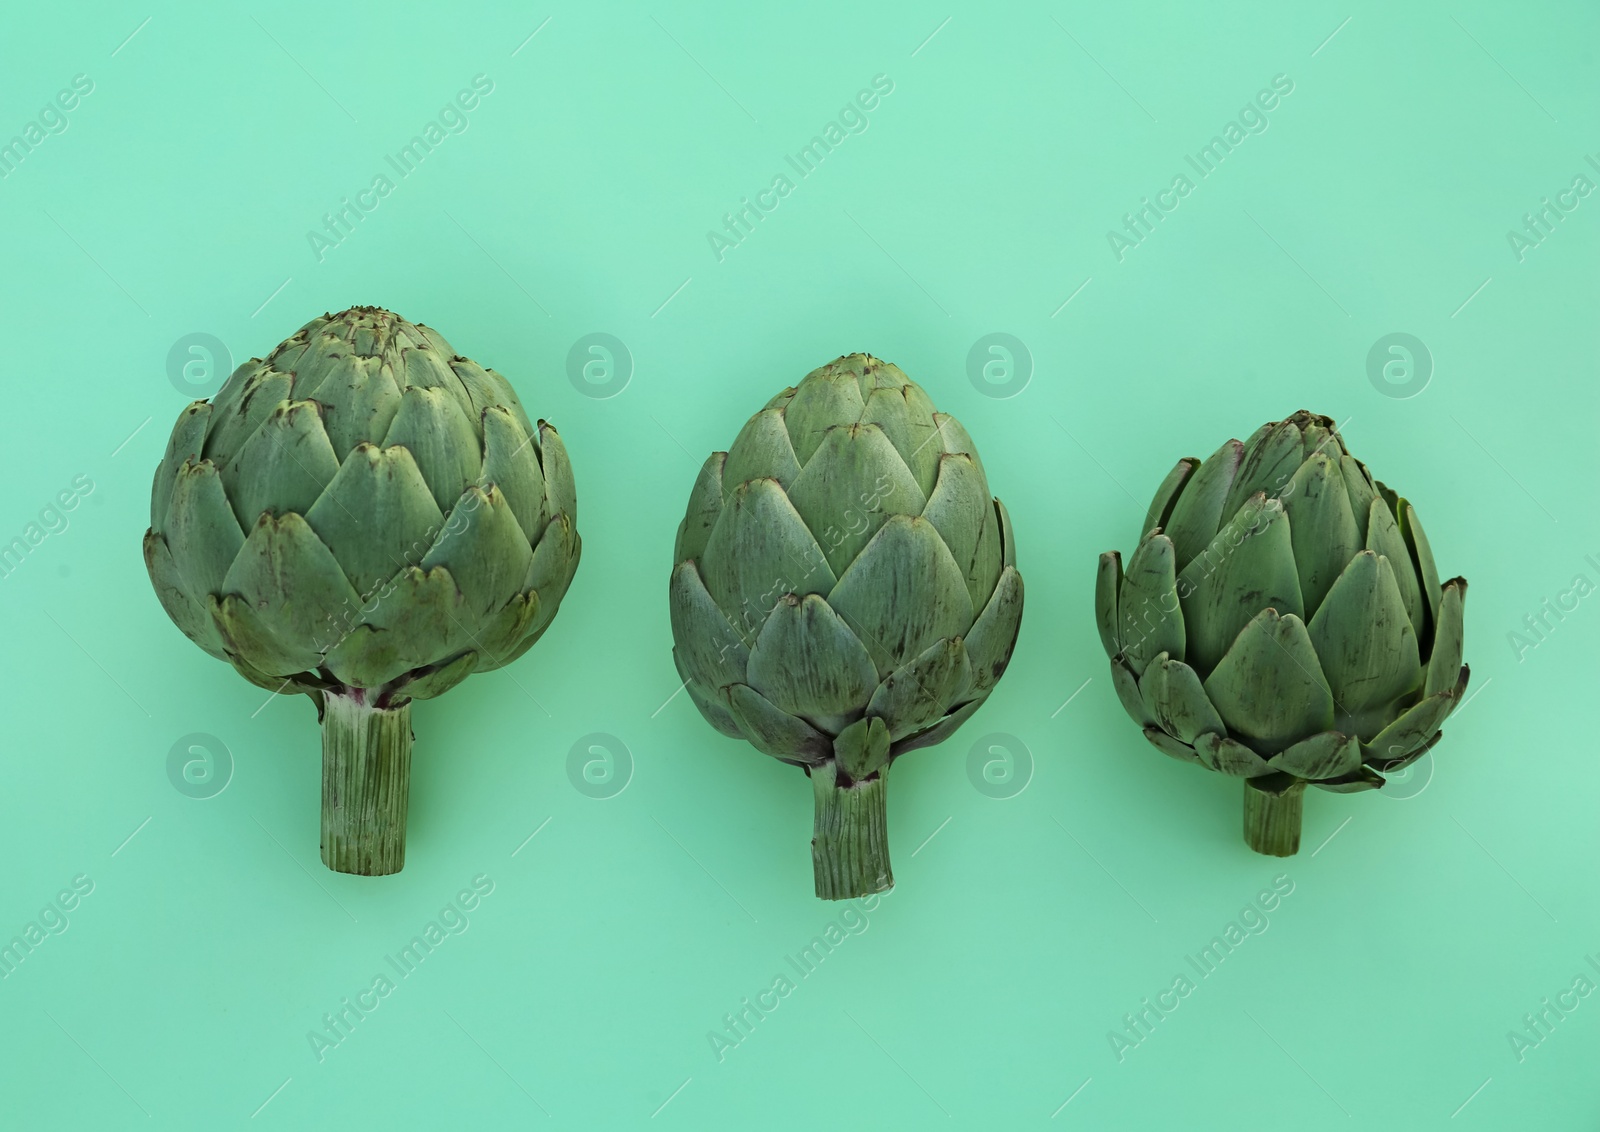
(1272, 821)
(366, 780)
(850, 845)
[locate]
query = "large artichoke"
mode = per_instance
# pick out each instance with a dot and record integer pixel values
(365, 517)
(845, 591)
(1282, 621)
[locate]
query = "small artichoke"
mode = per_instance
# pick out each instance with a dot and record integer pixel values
(1282, 621)
(366, 517)
(845, 591)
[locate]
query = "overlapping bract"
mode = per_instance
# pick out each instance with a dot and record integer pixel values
(1282, 618)
(362, 509)
(846, 587)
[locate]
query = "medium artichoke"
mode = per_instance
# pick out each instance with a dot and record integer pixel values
(845, 591)
(365, 517)
(1282, 621)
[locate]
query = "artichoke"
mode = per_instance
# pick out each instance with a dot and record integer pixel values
(845, 591)
(365, 517)
(1282, 621)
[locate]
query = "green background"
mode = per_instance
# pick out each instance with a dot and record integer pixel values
(1023, 928)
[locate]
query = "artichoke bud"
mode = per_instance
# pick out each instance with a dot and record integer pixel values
(844, 591)
(366, 517)
(1282, 621)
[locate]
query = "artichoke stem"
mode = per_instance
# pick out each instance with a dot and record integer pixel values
(366, 779)
(1272, 821)
(850, 847)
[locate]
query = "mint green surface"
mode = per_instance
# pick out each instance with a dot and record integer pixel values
(1379, 992)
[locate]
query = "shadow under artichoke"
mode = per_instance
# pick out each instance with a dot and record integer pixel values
(845, 592)
(367, 517)
(1282, 621)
